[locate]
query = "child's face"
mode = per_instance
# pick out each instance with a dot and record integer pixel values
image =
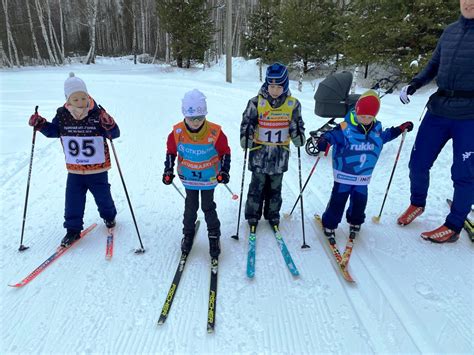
(195, 122)
(275, 90)
(365, 119)
(467, 8)
(78, 99)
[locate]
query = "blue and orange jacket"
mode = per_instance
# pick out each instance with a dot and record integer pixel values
(201, 155)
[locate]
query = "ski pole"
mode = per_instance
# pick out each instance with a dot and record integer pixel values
(22, 247)
(234, 196)
(236, 236)
(288, 215)
(141, 250)
(376, 219)
(179, 191)
(304, 246)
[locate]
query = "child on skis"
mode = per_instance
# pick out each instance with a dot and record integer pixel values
(357, 143)
(271, 120)
(83, 128)
(203, 162)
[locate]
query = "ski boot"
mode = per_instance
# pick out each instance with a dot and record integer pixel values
(354, 230)
(410, 214)
(253, 222)
(274, 222)
(110, 224)
(330, 234)
(187, 243)
(214, 246)
(70, 237)
(441, 235)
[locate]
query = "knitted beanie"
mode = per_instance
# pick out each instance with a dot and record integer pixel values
(368, 104)
(194, 104)
(277, 74)
(73, 84)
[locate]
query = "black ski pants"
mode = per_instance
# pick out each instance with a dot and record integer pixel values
(208, 206)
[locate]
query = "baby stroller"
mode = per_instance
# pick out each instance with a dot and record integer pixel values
(332, 100)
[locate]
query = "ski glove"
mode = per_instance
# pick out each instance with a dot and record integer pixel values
(406, 90)
(168, 177)
(37, 121)
(298, 140)
(223, 177)
(106, 121)
(246, 142)
(407, 126)
(322, 144)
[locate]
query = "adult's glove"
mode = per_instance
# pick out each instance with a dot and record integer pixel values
(322, 144)
(298, 140)
(246, 142)
(37, 121)
(407, 126)
(168, 177)
(106, 121)
(223, 177)
(406, 90)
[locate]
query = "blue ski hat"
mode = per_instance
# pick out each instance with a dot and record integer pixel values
(277, 74)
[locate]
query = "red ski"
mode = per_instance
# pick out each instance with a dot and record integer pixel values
(109, 249)
(59, 251)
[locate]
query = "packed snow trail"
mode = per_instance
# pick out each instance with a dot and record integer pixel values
(411, 295)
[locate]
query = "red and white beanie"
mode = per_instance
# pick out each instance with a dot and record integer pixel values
(73, 84)
(368, 104)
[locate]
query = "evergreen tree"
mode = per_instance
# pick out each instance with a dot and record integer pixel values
(189, 25)
(261, 40)
(395, 33)
(308, 31)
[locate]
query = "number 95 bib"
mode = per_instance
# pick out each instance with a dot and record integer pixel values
(83, 150)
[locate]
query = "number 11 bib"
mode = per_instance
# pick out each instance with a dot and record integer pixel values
(274, 123)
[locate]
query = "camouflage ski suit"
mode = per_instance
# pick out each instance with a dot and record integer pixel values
(267, 162)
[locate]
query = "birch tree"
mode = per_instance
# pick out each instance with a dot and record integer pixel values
(10, 42)
(92, 6)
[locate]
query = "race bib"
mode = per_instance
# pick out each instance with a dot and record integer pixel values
(273, 132)
(84, 150)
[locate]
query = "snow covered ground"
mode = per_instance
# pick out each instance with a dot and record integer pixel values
(411, 296)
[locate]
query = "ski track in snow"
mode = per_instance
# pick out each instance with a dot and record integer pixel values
(410, 296)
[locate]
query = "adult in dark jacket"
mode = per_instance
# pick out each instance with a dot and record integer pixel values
(450, 115)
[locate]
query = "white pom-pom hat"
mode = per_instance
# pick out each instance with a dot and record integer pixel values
(74, 84)
(194, 104)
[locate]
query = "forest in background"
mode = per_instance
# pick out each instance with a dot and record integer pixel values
(305, 34)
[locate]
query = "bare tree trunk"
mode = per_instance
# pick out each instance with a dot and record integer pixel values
(157, 44)
(10, 42)
(61, 29)
(142, 17)
(167, 48)
(52, 58)
(92, 12)
(3, 57)
(33, 36)
(52, 35)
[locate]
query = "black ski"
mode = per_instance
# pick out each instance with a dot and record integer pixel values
(174, 285)
(211, 310)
